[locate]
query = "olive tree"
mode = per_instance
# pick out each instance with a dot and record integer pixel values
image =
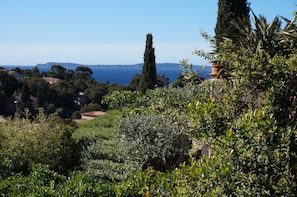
(154, 141)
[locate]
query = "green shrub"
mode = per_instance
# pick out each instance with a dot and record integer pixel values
(51, 108)
(156, 101)
(41, 141)
(205, 177)
(152, 139)
(41, 181)
(76, 115)
(90, 107)
(107, 159)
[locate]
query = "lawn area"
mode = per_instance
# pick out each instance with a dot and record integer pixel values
(103, 127)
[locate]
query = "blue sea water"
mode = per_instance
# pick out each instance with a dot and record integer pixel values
(121, 74)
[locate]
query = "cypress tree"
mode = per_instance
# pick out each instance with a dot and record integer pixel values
(25, 96)
(229, 10)
(26, 102)
(149, 73)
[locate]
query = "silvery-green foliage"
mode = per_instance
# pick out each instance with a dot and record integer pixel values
(107, 159)
(153, 136)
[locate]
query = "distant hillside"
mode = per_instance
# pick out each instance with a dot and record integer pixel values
(122, 74)
(66, 65)
(74, 65)
(161, 67)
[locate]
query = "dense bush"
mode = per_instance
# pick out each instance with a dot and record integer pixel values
(157, 101)
(41, 141)
(253, 153)
(206, 177)
(252, 126)
(154, 140)
(41, 181)
(76, 115)
(107, 159)
(91, 107)
(256, 147)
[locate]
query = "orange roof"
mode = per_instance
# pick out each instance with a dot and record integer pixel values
(94, 113)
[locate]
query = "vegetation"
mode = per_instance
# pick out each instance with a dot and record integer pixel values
(41, 181)
(59, 91)
(154, 141)
(103, 156)
(149, 142)
(229, 10)
(149, 74)
(44, 140)
(8, 84)
(134, 85)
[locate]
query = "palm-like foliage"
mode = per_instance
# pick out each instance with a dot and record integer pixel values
(290, 32)
(263, 37)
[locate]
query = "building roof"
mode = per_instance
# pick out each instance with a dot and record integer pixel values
(93, 113)
(52, 80)
(16, 75)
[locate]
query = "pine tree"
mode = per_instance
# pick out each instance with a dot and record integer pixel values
(149, 73)
(229, 10)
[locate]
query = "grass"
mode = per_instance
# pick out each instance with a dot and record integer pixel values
(102, 127)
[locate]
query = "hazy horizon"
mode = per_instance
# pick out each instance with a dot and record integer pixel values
(75, 63)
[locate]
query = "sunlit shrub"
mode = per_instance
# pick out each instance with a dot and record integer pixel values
(152, 139)
(41, 141)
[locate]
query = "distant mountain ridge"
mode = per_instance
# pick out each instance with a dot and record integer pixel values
(203, 70)
(123, 74)
(69, 64)
(64, 64)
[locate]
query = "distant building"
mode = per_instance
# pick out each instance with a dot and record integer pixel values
(16, 75)
(52, 80)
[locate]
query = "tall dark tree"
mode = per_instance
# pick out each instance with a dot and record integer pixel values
(26, 103)
(25, 93)
(8, 83)
(229, 10)
(149, 72)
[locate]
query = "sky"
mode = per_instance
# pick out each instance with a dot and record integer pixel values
(112, 31)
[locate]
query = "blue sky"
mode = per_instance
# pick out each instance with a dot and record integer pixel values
(112, 31)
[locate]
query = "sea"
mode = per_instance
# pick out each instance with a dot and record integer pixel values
(120, 74)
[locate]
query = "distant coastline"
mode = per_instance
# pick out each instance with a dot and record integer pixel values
(119, 74)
